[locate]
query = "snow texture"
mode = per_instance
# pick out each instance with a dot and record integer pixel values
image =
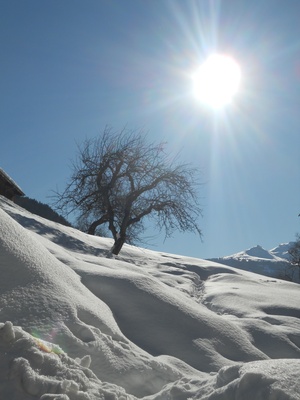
(78, 325)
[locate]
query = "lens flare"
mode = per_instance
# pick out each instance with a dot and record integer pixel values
(217, 80)
(45, 340)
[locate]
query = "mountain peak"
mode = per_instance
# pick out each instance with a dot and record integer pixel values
(259, 252)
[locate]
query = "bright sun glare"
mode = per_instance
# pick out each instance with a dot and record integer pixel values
(217, 80)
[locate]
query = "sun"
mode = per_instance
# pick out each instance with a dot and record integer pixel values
(217, 80)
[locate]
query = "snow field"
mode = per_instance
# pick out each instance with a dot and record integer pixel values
(75, 324)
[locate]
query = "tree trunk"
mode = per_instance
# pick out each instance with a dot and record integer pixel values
(92, 229)
(95, 224)
(118, 245)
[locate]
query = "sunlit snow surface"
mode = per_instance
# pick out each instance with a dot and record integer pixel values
(76, 324)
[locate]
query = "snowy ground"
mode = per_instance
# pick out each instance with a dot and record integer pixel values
(78, 325)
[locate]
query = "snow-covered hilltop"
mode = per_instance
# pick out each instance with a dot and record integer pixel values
(77, 325)
(273, 263)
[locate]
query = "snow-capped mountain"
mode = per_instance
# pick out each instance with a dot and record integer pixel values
(273, 263)
(282, 250)
(279, 253)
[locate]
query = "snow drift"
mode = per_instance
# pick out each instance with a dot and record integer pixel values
(78, 325)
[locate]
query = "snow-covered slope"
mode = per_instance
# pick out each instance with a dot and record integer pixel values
(76, 324)
(282, 250)
(272, 263)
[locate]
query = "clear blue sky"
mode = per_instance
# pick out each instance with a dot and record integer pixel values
(70, 67)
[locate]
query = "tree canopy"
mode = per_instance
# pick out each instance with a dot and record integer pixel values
(120, 178)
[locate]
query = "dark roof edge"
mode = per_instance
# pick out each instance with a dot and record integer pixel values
(12, 182)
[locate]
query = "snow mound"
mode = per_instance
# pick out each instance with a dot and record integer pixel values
(31, 372)
(144, 324)
(259, 380)
(47, 299)
(35, 371)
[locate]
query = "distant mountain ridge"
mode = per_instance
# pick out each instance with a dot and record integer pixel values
(273, 263)
(282, 250)
(278, 253)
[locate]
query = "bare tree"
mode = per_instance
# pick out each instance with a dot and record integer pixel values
(120, 178)
(294, 255)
